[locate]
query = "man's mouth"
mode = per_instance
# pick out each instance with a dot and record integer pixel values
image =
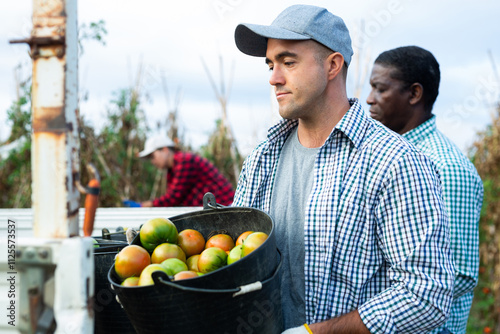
(280, 95)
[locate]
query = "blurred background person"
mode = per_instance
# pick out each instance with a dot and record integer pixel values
(189, 176)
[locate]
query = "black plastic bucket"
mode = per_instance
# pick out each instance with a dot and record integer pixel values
(243, 297)
(109, 316)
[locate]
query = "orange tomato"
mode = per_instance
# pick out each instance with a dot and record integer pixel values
(191, 242)
(242, 237)
(222, 241)
(131, 260)
(185, 275)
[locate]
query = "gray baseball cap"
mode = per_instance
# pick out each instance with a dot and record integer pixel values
(297, 22)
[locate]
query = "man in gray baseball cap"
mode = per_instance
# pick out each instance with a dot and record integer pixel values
(358, 212)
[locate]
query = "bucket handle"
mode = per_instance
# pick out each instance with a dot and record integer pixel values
(159, 277)
(209, 202)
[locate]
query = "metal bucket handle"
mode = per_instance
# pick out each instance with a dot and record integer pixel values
(159, 277)
(209, 202)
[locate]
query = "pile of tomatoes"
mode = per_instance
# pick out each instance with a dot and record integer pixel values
(181, 255)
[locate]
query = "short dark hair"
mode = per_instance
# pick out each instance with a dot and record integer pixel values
(414, 65)
(322, 52)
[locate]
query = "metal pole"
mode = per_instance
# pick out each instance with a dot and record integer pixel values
(56, 272)
(55, 144)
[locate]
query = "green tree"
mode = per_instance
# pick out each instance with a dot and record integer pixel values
(221, 148)
(15, 170)
(114, 151)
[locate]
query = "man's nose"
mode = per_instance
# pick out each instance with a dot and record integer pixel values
(370, 100)
(277, 77)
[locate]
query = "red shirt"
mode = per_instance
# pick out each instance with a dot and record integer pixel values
(191, 177)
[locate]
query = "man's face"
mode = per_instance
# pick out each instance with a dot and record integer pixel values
(388, 99)
(299, 80)
(159, 158)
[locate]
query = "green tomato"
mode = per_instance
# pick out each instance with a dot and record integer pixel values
(157, 231)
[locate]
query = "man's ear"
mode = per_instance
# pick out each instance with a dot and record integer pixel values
(336, 64)
(416, 93)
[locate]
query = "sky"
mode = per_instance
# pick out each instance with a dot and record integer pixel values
(170, 40)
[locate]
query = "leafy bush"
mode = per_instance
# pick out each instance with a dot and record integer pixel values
(485, 312)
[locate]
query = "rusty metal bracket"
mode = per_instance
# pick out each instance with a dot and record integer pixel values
(36, 42)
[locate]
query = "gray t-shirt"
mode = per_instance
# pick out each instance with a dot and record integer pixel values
(292, 186)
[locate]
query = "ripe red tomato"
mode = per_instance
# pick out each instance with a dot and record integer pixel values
(131, 260)
(157, 231)
(191, 242)
(223, 241)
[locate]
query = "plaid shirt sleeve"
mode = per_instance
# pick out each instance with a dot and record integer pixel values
(463, 197)
(413, 234)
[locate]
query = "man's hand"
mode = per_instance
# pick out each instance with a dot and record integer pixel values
(344, 324)
(304, 329)
(147, 204)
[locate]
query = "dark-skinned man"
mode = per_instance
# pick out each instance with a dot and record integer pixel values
(405, 84)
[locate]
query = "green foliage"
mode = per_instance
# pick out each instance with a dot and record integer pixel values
(94, 31)
(114, 151)
(15, 176)
(222, 152)
(19, 114)
(485, 311)
(15, 170)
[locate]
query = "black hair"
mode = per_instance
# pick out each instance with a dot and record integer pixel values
(414, 65)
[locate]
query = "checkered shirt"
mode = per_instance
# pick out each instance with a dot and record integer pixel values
(463, 198)
(376, 231)
(190, 178)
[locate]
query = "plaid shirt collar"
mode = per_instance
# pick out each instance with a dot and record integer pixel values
(350, 124)
(422, 131)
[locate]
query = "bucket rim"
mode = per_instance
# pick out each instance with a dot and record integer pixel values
(211, 210)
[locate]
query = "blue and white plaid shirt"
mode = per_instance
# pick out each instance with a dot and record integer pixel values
(463, 198)
(376, 231)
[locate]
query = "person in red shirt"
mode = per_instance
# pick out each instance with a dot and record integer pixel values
(189, 176)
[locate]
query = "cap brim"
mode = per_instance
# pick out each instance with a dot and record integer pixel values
(252, 38)
(144, 154)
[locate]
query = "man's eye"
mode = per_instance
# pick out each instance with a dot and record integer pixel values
(289, 63)
(270, 68)
(378, 89)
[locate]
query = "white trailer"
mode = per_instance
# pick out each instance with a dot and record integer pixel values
(47, 268)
